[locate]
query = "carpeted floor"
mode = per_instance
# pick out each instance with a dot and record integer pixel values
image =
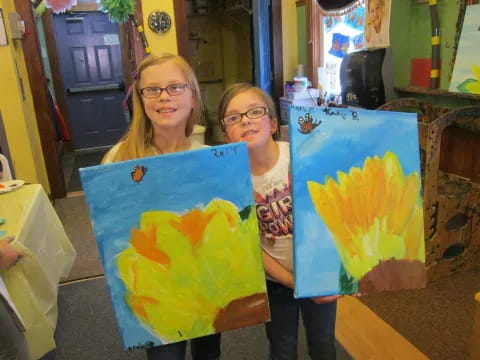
(438, 320)
(73, 213)
(87, 329)
(81, 159)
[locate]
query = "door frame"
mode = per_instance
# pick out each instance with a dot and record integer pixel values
(57, 81)
(276, 45)
(276, 35)
(181, 27)
(54, 171)
(314, 40)
(38, 85)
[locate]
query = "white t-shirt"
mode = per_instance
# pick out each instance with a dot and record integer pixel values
(273, 200)
(113, 151)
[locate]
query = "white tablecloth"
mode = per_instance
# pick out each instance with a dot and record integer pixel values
(49, 255)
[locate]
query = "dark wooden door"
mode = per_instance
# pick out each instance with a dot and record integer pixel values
(91, 66)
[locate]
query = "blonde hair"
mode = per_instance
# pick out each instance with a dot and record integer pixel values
(238, 88)
(137, 141)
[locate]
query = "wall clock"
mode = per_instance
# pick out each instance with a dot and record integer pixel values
(159, 22)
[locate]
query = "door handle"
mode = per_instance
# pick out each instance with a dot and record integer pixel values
(79, 90)
(74, 19)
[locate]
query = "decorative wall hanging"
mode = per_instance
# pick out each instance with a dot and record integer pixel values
(377, 24)
(60, 6)
(357, 206)
(358, 42)
(159, 22)
(356, 19)
(466, 71)
(338, 7)
(331, 22)
(458, 29)
(340, 44)
(178, 238)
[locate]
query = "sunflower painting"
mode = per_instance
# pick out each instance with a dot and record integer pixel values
(357, 206)
(178, 237)
(466, 71)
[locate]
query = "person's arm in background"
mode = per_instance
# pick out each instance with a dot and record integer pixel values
(9, 256)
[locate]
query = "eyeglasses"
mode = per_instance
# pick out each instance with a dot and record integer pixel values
(254, 113)
(156, 91)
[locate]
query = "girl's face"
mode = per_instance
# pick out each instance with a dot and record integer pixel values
(166, 111)
(375, 10)
(255, 132)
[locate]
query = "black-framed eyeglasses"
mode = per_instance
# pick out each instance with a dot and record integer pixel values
(254, 113)
(156, 91)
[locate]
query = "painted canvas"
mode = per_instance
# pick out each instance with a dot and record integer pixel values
(466, 71)
(357, 206)
(178, 239)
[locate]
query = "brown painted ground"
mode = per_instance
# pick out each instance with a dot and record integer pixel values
(393, 274)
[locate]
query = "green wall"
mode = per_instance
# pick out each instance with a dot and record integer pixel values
(400, 23)
(410, 33)
(302, 35)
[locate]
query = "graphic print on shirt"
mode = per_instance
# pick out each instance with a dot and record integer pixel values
(274, 213)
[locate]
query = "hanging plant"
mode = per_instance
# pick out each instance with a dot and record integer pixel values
(121, 11)
(60, 6)
(118, 10)
(39, 7)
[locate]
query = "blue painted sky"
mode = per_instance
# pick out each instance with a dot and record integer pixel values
(175, 182)
(337, 144)
(467, 54)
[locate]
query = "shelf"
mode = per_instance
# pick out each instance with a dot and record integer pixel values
(436, 92)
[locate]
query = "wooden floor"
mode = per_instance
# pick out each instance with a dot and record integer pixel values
(365, 336)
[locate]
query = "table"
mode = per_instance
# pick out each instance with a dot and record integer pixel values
(48, 257)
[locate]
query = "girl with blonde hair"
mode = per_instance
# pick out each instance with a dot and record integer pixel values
(163, 117)
(166, 105)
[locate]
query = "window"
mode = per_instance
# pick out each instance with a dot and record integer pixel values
(341, 35)
(320, 40)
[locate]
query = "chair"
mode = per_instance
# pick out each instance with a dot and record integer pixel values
(451, 193)
(475, 349)
(6, 174)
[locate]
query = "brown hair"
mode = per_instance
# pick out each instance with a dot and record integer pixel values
(238, 88)
(137, 142)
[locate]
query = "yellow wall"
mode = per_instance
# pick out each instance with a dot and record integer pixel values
(289, 33)
(18, 114)
(168, 42)
(160, 43)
